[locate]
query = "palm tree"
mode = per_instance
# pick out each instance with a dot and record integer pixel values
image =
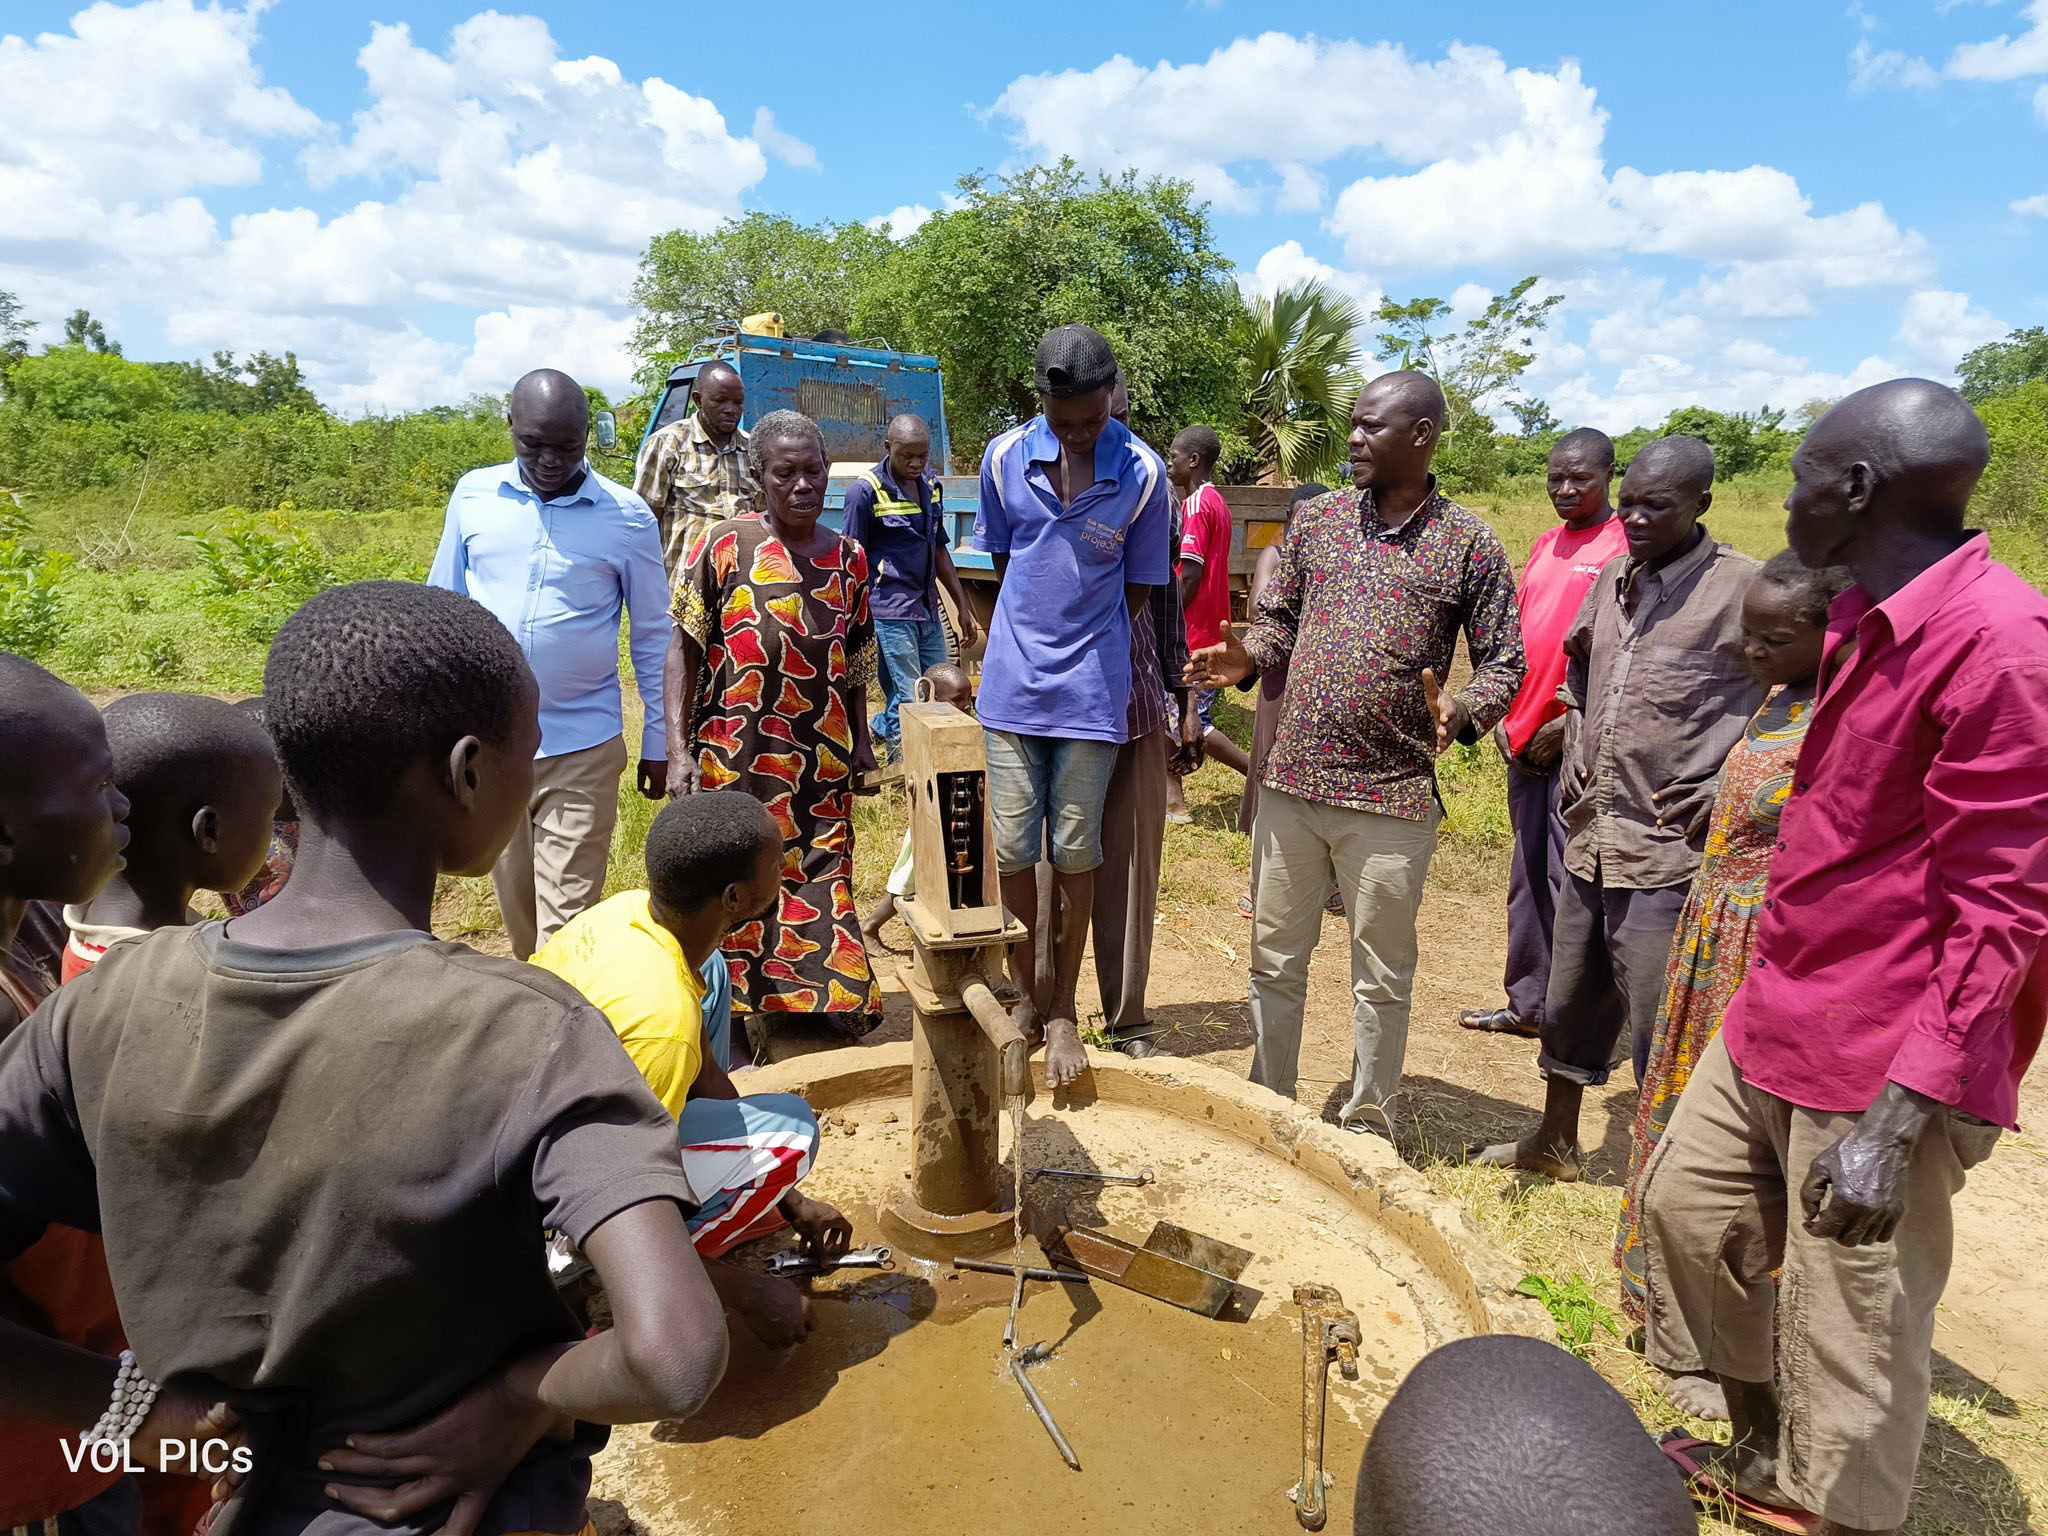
(1302, 353)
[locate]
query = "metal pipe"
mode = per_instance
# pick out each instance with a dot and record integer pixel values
(994, 1267)
(1018, 1364)
(1012, 1050)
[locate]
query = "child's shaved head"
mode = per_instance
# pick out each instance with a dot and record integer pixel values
(1499, 1434)
(174, 752)
(366, 680)
(949, 683)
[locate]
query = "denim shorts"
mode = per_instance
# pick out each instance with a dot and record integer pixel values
(1205, 706)
(1044, 791)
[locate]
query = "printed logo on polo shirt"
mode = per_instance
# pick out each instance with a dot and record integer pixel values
(1102, 540)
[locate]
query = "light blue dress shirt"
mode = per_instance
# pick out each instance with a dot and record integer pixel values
(560, 574)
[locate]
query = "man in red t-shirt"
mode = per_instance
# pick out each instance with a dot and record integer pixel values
(1204, 579)
(1563, 563)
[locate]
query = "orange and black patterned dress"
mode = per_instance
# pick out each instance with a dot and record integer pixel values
(789, 649)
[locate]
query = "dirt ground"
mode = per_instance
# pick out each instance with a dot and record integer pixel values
(1986, 1463)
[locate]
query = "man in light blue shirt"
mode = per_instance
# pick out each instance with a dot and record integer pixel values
(559, 553)
(1074, 510)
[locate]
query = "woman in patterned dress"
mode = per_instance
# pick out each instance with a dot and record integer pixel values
(1784, 620)
(767, 692)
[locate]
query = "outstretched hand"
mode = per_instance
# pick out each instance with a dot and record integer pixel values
(1446, 709)
(1222, 665)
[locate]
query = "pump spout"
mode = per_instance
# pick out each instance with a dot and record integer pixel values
(1012, 1050)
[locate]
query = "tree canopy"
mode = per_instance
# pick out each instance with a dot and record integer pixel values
(1999, 367)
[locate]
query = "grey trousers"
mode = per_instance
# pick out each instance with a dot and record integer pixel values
(1379, 864)
(1127, 883)
(1845, 1332)
(1534, 875)
(1608, 957)
(554, 866)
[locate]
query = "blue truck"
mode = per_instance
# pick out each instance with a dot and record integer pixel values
(853, 392)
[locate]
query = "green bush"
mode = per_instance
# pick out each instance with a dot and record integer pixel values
(31, 618)
(2014, 490)
(256, 569)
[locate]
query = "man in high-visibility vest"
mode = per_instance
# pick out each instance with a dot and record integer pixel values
(895, 511)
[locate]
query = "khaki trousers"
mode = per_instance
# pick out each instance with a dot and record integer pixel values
(1379, 864)
(1853, 1327)
(1127, 884)
(554, 866)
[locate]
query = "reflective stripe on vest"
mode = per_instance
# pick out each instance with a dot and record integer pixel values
(885, 506)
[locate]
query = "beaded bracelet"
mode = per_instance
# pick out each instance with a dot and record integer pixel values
(134, 1395)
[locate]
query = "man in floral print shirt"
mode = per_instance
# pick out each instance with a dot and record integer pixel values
(1374, 585)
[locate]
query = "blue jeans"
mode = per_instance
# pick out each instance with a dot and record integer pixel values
(1047, 792)
(908, 646)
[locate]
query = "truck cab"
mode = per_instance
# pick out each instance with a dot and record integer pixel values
(851, 392)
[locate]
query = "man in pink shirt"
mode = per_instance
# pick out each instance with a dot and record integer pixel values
(1204, 581)
(1563, 564)
(1897, 992)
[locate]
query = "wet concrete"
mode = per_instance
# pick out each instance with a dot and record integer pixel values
(898, 1414)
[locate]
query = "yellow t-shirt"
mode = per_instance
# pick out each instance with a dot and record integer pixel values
(633, 971)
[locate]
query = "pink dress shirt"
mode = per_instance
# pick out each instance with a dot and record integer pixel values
(1904, 935)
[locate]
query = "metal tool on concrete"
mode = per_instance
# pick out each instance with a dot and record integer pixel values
(1019, 1364)
(1029, 1272)
(1329, 1331)
(797, 1262)
(1175, 1265)
(1137, 1180)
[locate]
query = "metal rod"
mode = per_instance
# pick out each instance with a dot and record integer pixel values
(1139, 1179)
(992, 1267)
(1016, 1301)
(1018, 1365)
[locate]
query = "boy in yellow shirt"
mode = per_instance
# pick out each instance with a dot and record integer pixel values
(649, 961)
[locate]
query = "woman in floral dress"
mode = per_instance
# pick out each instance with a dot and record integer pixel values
(1784, 620)
(767, 691)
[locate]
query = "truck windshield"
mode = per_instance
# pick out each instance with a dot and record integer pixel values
(674, 407)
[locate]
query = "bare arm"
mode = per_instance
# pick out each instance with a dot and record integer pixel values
(949, 578)
(666, 1348)
(679, 702)
(1190, 579)
(1134, 598)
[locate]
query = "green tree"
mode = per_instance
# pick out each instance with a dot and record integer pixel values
(81, 330)
(692, 286)
(977, 285)
(2000, 367)
(74, 383)
(1478, 364)
(1302, 358)
(2015, 484)
(1533, 416)
(262, 383)
(1742, 441)
(14, 331)
(1811, 411)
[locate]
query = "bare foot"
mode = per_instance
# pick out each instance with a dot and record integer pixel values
(1025, 1016)
(1065, 1058)
(1698, 1396)
(1559, 1163)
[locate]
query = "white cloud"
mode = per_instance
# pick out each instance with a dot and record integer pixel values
(1870, 67)
(2006, 57)
(1938, 326)
(786, 147)
(1287, 264)
(490, 174)
(899, 221)
(2037, 206)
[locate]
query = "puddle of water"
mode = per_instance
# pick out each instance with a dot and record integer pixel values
(884, 1421)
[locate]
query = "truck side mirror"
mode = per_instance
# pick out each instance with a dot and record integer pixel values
(607, 426)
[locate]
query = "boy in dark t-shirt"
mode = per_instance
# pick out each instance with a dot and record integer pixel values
(322, 1145)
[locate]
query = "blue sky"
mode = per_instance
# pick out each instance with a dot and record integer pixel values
(1749, 204)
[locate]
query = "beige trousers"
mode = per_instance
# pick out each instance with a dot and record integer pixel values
(1853, 1327)
(554, 866)
(1379, 864)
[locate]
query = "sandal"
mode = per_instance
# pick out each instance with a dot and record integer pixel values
(1707, 1484)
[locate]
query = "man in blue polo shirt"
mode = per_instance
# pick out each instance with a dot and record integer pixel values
(895, 512)
(1074, 512)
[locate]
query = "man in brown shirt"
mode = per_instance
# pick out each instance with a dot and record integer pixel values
(1373, 586)
(1656, 695)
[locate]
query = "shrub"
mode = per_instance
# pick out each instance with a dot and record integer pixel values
(256, 569)
(31, 618)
